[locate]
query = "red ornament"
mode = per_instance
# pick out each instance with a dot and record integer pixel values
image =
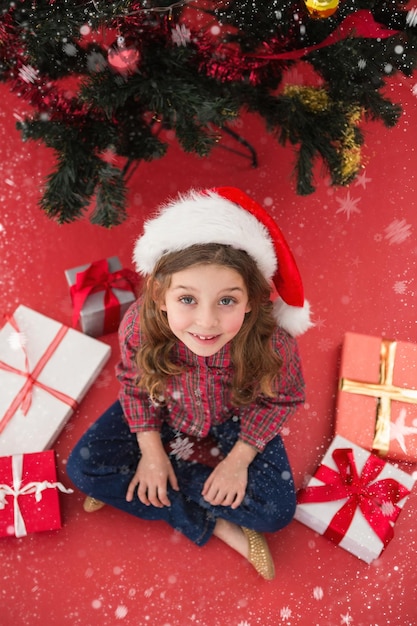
(122, 58)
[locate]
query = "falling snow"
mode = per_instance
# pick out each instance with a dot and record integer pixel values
(412, 17)
(17, 340)
(348, 205)
(330, 609)
(285, 613)
(397, 231)
(181, 35)
(400, 287)
(362, 180)
(28, 73)
(121, 612)
(182, 448)
(399, 430)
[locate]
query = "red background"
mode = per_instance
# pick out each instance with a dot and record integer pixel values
(356, 248)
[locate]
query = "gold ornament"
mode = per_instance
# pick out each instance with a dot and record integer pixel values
(320, 9)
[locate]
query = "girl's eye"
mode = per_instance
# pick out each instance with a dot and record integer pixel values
(227, 301)
(187, 300)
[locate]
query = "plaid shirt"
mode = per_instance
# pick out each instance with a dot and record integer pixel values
(199, 397)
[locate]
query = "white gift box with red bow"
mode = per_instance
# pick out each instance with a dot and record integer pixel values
(354, 499)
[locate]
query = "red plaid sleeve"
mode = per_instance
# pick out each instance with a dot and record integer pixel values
(139, 411)
(263, 420)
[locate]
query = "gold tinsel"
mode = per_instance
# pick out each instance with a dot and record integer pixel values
(317, 100)
(350, 148)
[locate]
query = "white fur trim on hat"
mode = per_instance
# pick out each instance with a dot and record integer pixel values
(199, 218)
(294, 319)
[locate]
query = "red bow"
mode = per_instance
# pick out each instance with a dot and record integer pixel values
(24, 397)
(97, 277)
(359, 24)
(376, 500)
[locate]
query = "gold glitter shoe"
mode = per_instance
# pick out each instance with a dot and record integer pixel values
(259, 554)
(91, 504)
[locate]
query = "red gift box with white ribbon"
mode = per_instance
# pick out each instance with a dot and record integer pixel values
(354, 499)
(29, 494)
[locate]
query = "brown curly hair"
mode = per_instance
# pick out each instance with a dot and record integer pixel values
(255, 363)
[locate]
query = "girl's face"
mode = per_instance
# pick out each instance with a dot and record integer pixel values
(206, 306)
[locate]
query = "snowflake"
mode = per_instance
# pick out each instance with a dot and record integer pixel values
(28, 73)
(285, 613)
(414, 90)
(397, 232)
(181, 35)
(346, 619)
(121, 612)
(399, 430)
(400, 287)
(17, 340)
(412, 17)
(182, 448)
(387, 508)
(325, 345)
(70, 49)
(318, 593)
(362, 180)
(245, 623)
(320, 323)
(96, 62)
(348, 205)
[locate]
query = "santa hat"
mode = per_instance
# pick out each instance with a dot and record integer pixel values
(226, 215)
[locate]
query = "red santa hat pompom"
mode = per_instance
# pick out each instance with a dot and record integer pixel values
(228, 216)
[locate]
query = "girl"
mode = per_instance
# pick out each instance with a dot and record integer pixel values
(209, 373)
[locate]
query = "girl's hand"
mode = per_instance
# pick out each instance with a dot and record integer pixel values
(153, 473)
(226, 485)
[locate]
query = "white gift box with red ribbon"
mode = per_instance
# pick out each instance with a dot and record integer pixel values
(46, 368)
(354, 499)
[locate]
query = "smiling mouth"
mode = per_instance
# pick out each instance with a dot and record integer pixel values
(204, 337)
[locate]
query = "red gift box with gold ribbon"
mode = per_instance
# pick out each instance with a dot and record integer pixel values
(29, 494)
(377, 396)
(354, 499)
(101, 292)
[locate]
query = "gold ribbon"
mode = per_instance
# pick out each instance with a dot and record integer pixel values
(385, 392)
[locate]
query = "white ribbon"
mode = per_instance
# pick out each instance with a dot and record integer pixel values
(35, 487)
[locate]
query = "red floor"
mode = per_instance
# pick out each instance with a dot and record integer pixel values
(357, 251)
